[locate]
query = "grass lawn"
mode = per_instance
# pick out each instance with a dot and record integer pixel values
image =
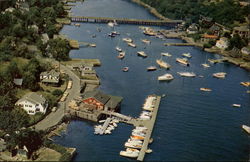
(95, 62)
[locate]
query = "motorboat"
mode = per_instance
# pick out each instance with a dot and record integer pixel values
(236, 105)
(146, 41)
(115, 33)
(166, 54)
(118, 49)
(205, 65)
(151, 68)
(137, 137)
(125, 69)
(246, 128)
(142, 54)
(162, 64)
(246, 84)
(149, 151)
(133, 145)
(220, 75)
(131, 149)
(166, 76)
(92, 45)
(138, 134)
(111, 35)
(111, 24)
(182, 61)
(187, 74)
(121, 55)
(206, 89)
(188, 55)
(107, 131)
(132, 45)
(128, 40)
(131, 154)
(77, 25)
(136, 141)
(102, 121)
(149, 31)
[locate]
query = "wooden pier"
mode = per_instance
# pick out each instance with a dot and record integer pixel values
(125, 21)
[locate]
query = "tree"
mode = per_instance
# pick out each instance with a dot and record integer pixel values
(57, 92)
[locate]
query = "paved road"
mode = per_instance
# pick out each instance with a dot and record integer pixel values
(55, 117)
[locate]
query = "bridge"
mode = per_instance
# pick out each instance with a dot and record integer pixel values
(125, 21)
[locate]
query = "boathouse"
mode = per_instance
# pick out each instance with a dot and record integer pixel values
(100, 101)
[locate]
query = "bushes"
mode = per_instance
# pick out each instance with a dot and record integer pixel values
(57, 92)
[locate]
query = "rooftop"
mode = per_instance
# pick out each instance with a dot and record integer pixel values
(33, 98)
(242, 28)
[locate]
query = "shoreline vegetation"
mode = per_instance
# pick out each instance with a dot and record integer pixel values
(182, 35)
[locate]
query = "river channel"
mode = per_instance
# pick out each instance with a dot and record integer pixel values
(191, 125)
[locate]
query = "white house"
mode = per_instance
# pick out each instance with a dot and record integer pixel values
(33, 103)
(192, 29)
(223, 43)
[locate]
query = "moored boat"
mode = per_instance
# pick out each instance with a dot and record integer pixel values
(137, 137)
(131, 154)
(151, 68)
(206, 89)
(92, 45)
(166, 54)
(77, 25)
(128, 40)
(246, 84)
(182, 61)
(146, 41)
(221, 75)
(166, 76)
(142, 54)
(132, 45)
(118, 49)
(246, 128)
(205, 65)
(162, 64)
(125, 69)
(187, 74)
(236, 105)
(121, 55)
(111, 24)
(133, 145)
(188, 55)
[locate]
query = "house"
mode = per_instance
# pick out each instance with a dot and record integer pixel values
(33, 103)
(52, 77)
(245, 51)
(88, 70)
(208, 37)
(99, 101)
(215, 29)
(223, 43)
(192, 29)
(242, 31)
(208, 21)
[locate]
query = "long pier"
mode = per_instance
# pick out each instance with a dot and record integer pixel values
(125, 21)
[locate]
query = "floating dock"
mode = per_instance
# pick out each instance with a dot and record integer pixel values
(150, 125)
(105, 125)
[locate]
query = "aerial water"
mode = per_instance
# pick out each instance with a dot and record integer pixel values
(191, 125)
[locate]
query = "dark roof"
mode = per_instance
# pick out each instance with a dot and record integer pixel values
(98, 95)
(114, 101)
(33, 97)
(215, 28)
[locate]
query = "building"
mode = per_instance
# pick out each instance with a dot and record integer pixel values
(192, 29)
(99, 101)
(33, 103)
(208, 37)
(52, 77)
(223, 43)
(242, 31)
(215, 29)
(208, 21)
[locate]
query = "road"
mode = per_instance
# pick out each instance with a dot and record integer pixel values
(55, 117)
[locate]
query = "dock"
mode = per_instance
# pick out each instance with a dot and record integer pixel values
(125, 21)
(105, 125)
(150, 126)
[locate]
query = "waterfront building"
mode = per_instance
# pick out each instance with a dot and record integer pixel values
(223, 43)
(100, 101)
(192, 29)
(215, 29)
(208, 37)
(52, 77)
(242, 31)
(33, 103)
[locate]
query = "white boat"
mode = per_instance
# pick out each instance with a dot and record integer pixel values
(188, 55)
(236, 105)
(187, 74)
(111, 24)
(121, 55)
(137, 141)
(92, 45)
(102, 121)
(141, 128)
(107, 131)
(205, 65)
(162, 64)
(220, 75)
(131, 149)
(138, 134)
(151, 68)
(166, 77)
(182, 61)
(77, 25)
(115, 33)
(118, 49)
(132, 45)
(166, 54)
(206, 89)
(142, 54)
(149, 151)
(133, 145)
(125, 69)
(131, 154)
(246, 128)
(128, 40)
(146, 41)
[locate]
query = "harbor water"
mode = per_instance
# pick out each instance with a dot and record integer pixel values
(191, 125)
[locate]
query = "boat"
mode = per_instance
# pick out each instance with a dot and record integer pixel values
(111, 24)
(182, 61)
(205, 65)
(102, 121)
(146, 41)
(107, 131)
(188, 55)
(133, 145)
(151, 68)
(246, 84)
(77, 25)
(149, 151)
(221, 75)
(236, 105)
(114, 124)
(151, 140)
(142, 54)
(166, 76)
(111, 35)
(132, 45)
(125, 69)
(121, 55)
(92, 45)
(162, 64)
(149, 31)
(136, 141)
(166, 54)
(128, 40)
(206, 89)
(115, 33)
(118, 49)
(131, 149)
(187, 74)
(246, 128)
(131, 154)
(137, 137)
